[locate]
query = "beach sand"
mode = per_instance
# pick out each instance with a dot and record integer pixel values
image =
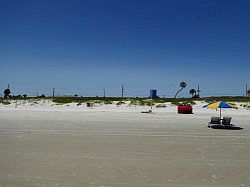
(108, 148)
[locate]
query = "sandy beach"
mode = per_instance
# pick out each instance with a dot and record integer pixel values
(93, 93)
(112, 146)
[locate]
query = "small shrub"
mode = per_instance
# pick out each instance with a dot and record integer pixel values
(98, 101)
(160, 106)
(120, 103)
(62, 100)
(192, 102)
(5, 102)
(133, 102)
(145, 103)
(108, 102)
(141, 103)
(149, 103)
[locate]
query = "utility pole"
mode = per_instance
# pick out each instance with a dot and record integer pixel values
(122, 91)
(198, 92)
(246, 91)
(53, 92)
(104, 95)
(36, 94)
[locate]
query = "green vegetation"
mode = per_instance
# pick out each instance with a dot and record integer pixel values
(5, 102)
(120, 103)
(107, 102)
(145, 103)
(62, 100)
(227, 99)
(97, 101)
(160, 106)
(133, 101)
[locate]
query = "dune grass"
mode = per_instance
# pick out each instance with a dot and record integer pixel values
(120, 103)
(160, 106)
(133, 101)
(5, 102)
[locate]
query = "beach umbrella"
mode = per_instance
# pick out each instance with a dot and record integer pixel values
(220, 105)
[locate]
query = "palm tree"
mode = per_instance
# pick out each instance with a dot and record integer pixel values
(6, 93)
(192, 92)
(182, 85)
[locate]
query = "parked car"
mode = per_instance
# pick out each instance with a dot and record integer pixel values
(185, 108)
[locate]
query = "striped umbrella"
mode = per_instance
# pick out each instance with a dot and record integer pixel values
(220, 105)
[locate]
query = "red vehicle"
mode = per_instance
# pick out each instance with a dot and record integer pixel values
(185, 108)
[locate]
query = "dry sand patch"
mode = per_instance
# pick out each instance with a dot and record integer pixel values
(120, 149)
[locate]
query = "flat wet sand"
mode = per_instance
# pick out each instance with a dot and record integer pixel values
(101, 149)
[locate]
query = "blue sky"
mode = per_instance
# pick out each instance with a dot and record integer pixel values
(82, 47)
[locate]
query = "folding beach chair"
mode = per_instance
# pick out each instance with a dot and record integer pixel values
(226, 120)
(226, 124)
(214, 121)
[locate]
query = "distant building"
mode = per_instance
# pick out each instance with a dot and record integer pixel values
(153, 94)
